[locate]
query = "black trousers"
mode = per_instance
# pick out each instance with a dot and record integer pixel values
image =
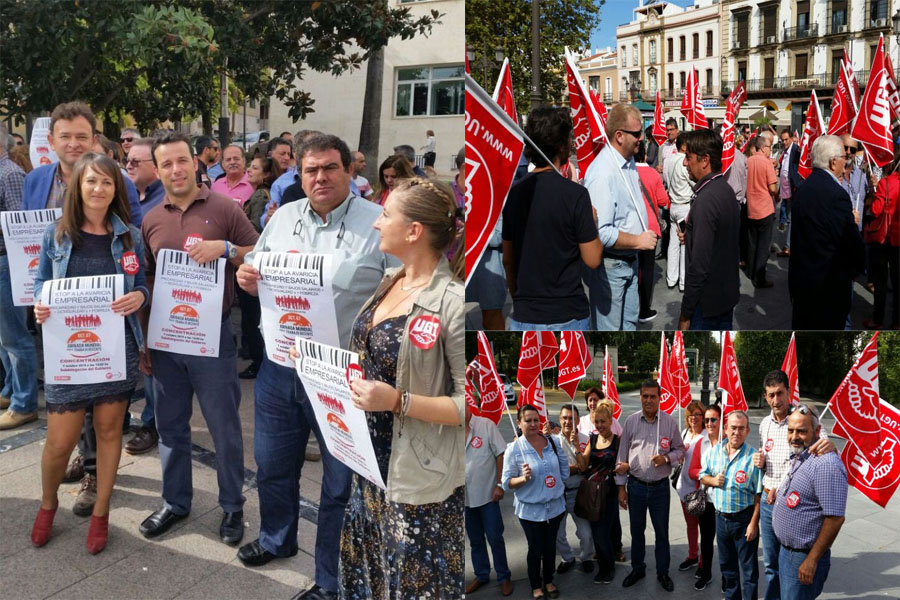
(251, 312)
(707, 538)
(760, 238)
(646, 264)
(742, 233)
(884, 262)
(541, 558)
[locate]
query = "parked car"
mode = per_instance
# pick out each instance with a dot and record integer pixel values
(508, 390)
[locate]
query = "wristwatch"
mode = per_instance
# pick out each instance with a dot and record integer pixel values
(230, 250)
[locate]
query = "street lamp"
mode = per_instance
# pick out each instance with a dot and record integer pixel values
(896, 20)
(486, 63)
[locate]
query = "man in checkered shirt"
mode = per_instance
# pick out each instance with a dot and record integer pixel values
(809, 510)
(774, 458)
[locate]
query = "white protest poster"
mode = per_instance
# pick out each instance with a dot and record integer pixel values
(186, 314)
(22, 233)
(39, 150)
(326, 373)
(84, 340)
(296, 300)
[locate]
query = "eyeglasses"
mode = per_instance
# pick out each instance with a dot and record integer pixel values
(137, 161)
(698, 416)
(298, 226)
(636, 133)
(851, 149)
(711, 419)
(127, 139)
(803, 409)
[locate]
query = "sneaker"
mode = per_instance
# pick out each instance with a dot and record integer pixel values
(12, 419)
(698, 573)
(687, 564)
(75, 470)
(87, 496)
(651, 314)
(565, 566)
(702, 582)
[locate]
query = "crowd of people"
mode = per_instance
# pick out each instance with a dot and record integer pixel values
(395, 266)
(582, 254)
(789, 491)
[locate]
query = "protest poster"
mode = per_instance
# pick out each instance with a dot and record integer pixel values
(84, 340)
(186, 315)
(22, 233)
(296, 299)
(39, 150)
(326, 373)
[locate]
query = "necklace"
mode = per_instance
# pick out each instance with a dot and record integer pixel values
(398, 303)
(414, 287)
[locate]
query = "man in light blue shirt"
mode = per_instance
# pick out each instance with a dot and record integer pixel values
(613, 183)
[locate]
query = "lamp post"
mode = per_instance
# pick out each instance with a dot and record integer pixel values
(535, 53)
(486, 63)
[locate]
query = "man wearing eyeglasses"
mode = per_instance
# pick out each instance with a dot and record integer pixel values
(129, 135)
(668, 149)
(774, 458)
(809, 509)
(142, 173)
(330, 220)
(623, 228)
(854, 180)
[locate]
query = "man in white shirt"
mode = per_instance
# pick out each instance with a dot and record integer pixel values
(358, 166)
(681, 189)
(669, 148)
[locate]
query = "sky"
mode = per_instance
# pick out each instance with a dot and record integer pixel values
(618, 12)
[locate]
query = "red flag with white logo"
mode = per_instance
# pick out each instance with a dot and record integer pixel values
(843, 105)
(789, 366)
(692, 102)
(811, 131)
(678, 371)
(877, 483)
(588, 132)
(735, 100)
(893, 92)
(855, 404)
(574, 360)
(534, 395)
(730, 379)
(659, 122)
(668, 400)
(493, 148)
(471, 395)
(609, 384)
(491, 387)
(503, 92)
(537, 352)
(873, 123)
(602, 112)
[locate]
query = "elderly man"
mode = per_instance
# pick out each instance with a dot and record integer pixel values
(827, 250)
(809, 509)
(649, 446)
(129, 137)
(858, 186)
(612, 181)
(573, 442)
(735, 487)
(235, 184)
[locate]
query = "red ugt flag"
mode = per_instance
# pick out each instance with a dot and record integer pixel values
(843, 107)
(877, 483)
(811, 132)
(493, 148)
(855, 404)
(893, 92)
(574, 361)
(873, 123)
(659, 122)
(692, 103)
(599, 107)
(678, 372)
(589, 134)
(668, 400)
(471, 399)
(537, 352)
(730, 379)
(491, 387)
(534, 395)
(737, 97)
(503, 93)
(609, 384)
(789, 366)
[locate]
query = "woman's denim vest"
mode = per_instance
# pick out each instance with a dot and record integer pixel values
(55, 262)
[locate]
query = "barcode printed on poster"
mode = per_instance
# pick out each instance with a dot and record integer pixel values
(328, 354)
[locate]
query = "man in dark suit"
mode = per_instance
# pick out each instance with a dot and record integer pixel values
(788, 181)
(827, 250)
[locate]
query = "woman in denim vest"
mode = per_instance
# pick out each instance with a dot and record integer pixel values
(93, 237)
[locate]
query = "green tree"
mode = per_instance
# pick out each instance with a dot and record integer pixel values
(646, 358)
(759, 352)
(507, 25)
(889, 366)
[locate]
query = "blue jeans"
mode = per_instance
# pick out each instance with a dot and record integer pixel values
(723, 322)
(176, 378)
(573, 325)
(613, 288)
(771, 546)
(737, 556)
(16, 349)
(791, 588)
(655, 499)
(283, 421)
(486, 522)
(148, 415)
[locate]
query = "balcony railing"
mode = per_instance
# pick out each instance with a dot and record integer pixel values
(801, 33)
(607, 98)
(771, 38)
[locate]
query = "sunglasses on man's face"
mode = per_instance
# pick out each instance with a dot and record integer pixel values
(851, 149)
(711, 420)
(636, 134)
(127, 139)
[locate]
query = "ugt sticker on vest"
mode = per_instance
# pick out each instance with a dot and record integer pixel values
(23, 231)
(323, 371)
(84, 340)
(186, 316)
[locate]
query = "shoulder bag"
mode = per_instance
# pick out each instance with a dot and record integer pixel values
(590, 500)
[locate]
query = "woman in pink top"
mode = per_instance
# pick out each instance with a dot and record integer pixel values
(655, 197)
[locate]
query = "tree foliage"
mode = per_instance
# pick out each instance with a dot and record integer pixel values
(507, 25)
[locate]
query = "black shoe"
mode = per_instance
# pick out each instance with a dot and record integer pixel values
(761, 285)
(698, 573)
(687, 564)
(250, 372)
(159, 522)
(651, 314)
(587, 566)
(232, 528)
(316, 592)
(603, 576)
(632, 578)
(254, 555)
(666, 582)
(565, 566)
(723, 584)
(702, 582)
(244, 353)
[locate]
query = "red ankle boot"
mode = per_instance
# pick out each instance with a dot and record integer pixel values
(97, 534)
(43, 523)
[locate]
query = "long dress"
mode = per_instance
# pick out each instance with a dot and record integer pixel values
(388, 549)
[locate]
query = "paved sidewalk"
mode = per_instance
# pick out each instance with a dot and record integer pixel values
(865, 559)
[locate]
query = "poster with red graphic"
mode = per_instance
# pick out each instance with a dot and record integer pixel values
(84, 340)
(22, 234)
(324, 369)
(186, 314)
(877, 483)
(296, 299)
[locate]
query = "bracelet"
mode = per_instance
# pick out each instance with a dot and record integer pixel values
(398, 404)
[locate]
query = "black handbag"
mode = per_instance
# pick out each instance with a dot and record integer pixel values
(695, 502)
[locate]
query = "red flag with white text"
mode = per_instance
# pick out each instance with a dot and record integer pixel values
(789, 366)
(811, 132)
(893, 92)
(534, 395)
(537, 352)
(855, 404)
(678, 371)
(609, 385)
(659, 122)
(668, 400)
(843, 105)
(879, 483)
(692, 102)
(493, 401)
(503, 92)
(873, 123)
(735, 100)
(602, 112)
(588, 133)
(730, 378)
(575, 358)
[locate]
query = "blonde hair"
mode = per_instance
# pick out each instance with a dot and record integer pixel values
(689, 408)
(618, 118)
(433, 204)
(603, 407)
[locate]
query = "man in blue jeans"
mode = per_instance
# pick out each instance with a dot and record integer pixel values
(735, 485)
(484, 464)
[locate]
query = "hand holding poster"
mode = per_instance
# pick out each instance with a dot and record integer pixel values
(296, 299)
(326, 373)
(84, 340)
(22, 233)
(186, 315)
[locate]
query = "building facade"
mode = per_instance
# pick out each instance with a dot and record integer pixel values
(600, 71)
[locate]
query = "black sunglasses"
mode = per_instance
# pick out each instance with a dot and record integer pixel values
(851, 150)
(710, 419)
(131, 139)
(637, 133)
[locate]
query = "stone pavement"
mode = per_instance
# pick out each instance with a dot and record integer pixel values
(865, 558)
(189, 561)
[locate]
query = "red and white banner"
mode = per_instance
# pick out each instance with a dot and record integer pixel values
(873, 123)
(692, 102)
(855, 404)
(753, 134)
(678, 371)
(659, 122)
(846, 94)
(730, 379)
(789, 366)
(575, 358)
(534, 395)
(471, 394)
(877, 483)
(811, 131)
(602, 112)
(504, 95)
(493, 400)
(735, 100)
(893, 92)
(537, 352)
(493, 148)
(609, 384)
(589, 134)
(668, 399)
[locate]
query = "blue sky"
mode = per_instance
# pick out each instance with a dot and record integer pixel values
(618, 12)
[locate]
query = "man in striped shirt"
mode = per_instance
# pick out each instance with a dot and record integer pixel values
(735, 486)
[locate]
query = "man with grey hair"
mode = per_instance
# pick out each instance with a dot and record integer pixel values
(129, 136)
(827, 251)
(409, 153)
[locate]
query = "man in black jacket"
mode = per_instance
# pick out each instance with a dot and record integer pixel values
(827, 251)
(788, 181)
(711, 240)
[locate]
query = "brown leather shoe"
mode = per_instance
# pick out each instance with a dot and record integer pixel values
(475, 585)
(506, 588)
(143, 441)
(75, 470)
(87, 496)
